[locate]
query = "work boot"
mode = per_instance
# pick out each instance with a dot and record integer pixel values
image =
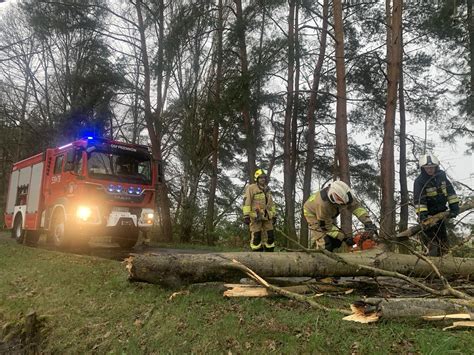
(270, 244)
(256, 241)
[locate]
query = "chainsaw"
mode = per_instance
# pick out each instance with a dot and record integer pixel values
(363, 241)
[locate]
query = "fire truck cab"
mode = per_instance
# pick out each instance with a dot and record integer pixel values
(90, 187)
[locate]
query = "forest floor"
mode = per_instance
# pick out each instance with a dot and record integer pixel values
(85, 304)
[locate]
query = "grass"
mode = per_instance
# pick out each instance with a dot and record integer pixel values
(89, 306)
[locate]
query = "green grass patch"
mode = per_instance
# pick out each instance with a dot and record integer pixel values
(89, 305)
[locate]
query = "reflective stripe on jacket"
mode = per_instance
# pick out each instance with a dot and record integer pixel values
(432, 193)
(320, 213)
(258, 203)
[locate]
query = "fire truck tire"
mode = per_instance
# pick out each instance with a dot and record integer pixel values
(18, 233)
(32, 237)
(126, 238)
(57, 234)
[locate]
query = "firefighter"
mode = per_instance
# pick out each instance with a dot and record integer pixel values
(431, 192)
(321, 209)
(260, 213)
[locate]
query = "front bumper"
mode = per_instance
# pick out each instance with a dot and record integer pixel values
(142, 218)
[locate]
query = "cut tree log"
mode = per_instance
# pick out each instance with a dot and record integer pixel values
(255, 290)
(372, 309)
(180, 269)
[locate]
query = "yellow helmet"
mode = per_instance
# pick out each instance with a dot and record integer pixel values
(258, 174)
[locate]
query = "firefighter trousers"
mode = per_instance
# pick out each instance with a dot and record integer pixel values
(262, 236)
(320, 240)
(435, 239)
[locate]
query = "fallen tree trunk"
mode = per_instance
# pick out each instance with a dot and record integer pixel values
(178, 269)
(372, 309)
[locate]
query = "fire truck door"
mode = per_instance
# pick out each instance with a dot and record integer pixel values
(56, 184)
(71, 167)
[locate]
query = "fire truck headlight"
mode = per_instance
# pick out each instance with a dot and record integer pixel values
(84, 213)
(148, 216)
(111, 188)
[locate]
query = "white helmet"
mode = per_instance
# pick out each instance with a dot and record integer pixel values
(340, 193)
(428, 160)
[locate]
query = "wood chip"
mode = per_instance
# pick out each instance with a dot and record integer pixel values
(174, 294)
(360, 317)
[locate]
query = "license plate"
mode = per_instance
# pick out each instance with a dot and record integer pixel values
(126, 223)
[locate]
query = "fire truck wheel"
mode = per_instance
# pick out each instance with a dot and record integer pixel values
(32, 238)
(126, 238)
(18, 233)
(57, 234)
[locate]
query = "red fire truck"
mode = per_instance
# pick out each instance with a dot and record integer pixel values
(90, 187)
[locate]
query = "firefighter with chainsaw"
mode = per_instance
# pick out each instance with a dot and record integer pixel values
(432, 190)
(259, 213)
(320, 211)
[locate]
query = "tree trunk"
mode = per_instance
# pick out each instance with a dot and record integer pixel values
(387, 213)
(342, 151)
(470, 27)
(245, 106)
(163, 207)
(210, 214)
(178, 269)
(288, 174)
(294, 123)
(310, 116)
(404, 200)
(189, 207)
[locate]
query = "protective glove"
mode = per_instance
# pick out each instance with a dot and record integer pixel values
(423, 216)
(247, 220)
(349, 241)
(453, 210)
(274, 220)
(370, 228)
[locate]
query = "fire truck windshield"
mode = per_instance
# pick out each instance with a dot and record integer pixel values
(119, 166)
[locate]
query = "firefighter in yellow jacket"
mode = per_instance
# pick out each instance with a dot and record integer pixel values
(259, 213)
(321, 209)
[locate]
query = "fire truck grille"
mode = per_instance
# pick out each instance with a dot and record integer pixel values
(126, 198)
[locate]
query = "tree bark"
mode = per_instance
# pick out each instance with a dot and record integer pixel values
(470, 27)
(288, 149)
(404, 200)
(245, 105)
(294, 123)
(153, 127)
(342, 151)
(209, 231)
(410, 307)
(178, 269)
(310, 117)
(387, 213)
